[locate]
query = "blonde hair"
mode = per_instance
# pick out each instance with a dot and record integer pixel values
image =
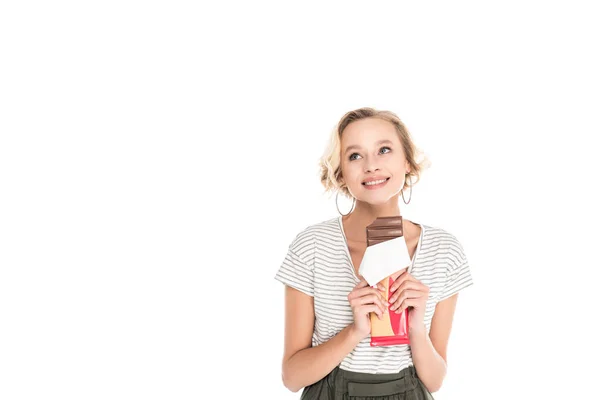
(330, 163)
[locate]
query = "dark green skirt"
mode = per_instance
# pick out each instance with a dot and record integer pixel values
(340, 384)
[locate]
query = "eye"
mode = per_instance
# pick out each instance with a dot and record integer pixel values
(353, 154)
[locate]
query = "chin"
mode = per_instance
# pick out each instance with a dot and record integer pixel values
(377, 201)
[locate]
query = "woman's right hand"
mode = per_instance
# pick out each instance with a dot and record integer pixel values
(365, 299)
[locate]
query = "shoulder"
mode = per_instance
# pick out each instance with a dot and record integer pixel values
(303, 244)
(318, 230)
(446, 243)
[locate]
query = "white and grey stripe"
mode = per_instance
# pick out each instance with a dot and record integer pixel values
(318, 263)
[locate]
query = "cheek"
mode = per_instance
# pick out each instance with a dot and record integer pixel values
(396, 163)
(352, 171)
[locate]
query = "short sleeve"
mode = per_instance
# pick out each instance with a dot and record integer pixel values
(459, 273)
(296, 270)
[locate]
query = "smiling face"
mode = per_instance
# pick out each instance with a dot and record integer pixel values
(371, 152)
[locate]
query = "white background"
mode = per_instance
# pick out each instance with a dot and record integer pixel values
(157, 158)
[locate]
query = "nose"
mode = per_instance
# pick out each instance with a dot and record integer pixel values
(371, 164)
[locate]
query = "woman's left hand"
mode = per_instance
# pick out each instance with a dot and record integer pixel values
(409, 292)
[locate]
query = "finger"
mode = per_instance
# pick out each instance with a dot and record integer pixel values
(399, 273)
(356, 291)
(406, 277)
(366, 309)
(408, 303)
(406, 294)
(407, 285)
(380, 287)
(378, 301)
(366, 291)
(361, 284)
(401, 279)
(373, 299)
(413, 285)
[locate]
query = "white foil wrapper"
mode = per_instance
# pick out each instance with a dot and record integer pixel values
(383, 259)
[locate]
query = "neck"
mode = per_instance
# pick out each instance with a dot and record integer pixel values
(364, 214)
(366, 211)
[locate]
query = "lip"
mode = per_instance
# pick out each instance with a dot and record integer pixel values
(374, 187)
(375, 178)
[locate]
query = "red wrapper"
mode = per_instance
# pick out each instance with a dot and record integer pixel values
(392, 329)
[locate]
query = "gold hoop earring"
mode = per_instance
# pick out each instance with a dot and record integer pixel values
(338, 207)
(410, 196)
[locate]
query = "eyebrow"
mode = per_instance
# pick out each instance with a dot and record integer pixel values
(355, 146)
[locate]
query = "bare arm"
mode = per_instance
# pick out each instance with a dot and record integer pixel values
(304, 365)
(429, 352)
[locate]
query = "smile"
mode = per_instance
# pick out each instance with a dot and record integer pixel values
(376, 184)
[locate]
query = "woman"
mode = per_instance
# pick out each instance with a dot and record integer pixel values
(371, 158)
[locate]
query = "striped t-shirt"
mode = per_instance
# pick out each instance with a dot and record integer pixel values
(318, 263)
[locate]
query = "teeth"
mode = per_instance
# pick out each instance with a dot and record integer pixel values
(375, 182)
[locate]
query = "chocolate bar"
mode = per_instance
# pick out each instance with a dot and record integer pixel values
(384, 228)
(393, 329)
